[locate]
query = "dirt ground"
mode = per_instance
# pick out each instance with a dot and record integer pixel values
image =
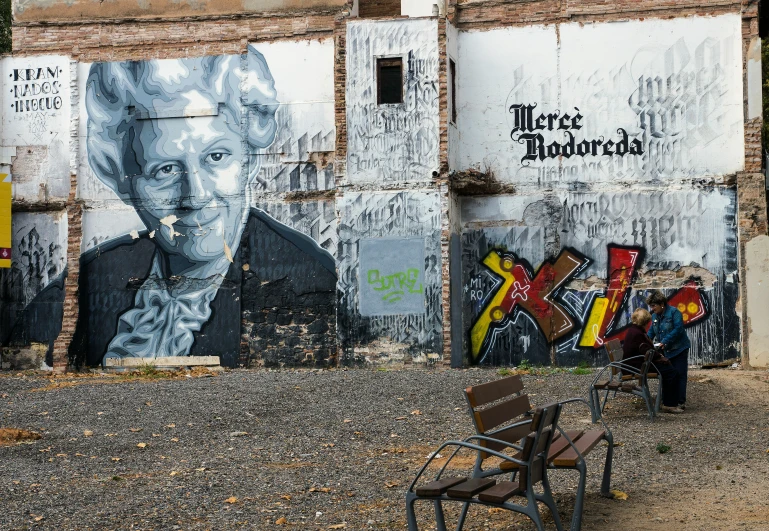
(337, 450)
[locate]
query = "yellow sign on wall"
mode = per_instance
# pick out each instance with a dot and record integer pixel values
(5, 220)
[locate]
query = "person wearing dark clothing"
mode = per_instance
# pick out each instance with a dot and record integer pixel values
(635, 347)
(667, 332)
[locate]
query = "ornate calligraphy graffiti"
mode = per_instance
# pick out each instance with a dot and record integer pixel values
(526, 131)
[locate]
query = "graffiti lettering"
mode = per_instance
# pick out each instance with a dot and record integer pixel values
(623, 263)
(526, 127)
(535, 296)
(600, 325)
(396, 285)
(36, 89)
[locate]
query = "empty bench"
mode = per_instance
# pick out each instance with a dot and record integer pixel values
(499, 410)
(529, 462)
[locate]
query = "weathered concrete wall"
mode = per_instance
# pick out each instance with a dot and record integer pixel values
(406, 204)
(395, 142)
(402, 321)
(623, 158)
(757, 283)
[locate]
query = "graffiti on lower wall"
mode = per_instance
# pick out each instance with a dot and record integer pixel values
(519, 290)
(515, 291)
(382, 236)
(626, 243)
(391, 276)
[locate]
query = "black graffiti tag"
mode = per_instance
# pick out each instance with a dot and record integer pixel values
(527, 127)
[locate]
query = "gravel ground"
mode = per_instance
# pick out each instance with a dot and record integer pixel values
(337, 449)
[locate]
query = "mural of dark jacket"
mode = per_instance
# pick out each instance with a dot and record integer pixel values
(111, 272)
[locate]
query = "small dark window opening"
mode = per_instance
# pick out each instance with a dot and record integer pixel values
(389, 74)
(453, 75)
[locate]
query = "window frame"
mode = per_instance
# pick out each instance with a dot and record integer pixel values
(387, 62)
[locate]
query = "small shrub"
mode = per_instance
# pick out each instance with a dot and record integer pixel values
(663, 448)
(148, 370)
(504, 371)
(525, 365)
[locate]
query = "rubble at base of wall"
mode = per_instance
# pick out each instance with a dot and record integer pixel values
(31, 357)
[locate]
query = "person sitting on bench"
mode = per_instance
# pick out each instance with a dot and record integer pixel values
(635, 347)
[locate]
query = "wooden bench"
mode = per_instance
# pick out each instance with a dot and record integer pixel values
(619, 377)
(500, 408)
(539, 430)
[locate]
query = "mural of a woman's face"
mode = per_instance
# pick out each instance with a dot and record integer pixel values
(178, 140)
(192, 190)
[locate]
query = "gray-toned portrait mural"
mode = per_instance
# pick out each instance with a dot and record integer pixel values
(181, 142)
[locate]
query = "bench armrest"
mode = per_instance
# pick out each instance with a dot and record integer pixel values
(617, 365)
(609, 436)
(464, 444)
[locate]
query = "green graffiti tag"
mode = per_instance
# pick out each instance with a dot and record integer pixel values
(396, 285)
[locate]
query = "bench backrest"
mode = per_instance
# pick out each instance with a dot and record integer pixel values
(613, 349)
(537, 443)
(497, 403)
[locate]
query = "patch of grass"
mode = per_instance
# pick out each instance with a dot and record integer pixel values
(525, 365)
(663, 448)
(381, 369)
(582, 368)
(504, 371)
(148, 371)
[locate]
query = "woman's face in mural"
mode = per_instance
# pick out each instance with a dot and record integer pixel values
(192, 191)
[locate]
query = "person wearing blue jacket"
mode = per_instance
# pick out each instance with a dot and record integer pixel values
(667, 332)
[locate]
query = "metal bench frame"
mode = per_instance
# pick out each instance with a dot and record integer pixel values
(546, 429)
(635, 382)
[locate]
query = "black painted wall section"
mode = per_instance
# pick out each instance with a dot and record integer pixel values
(39, 321)
(288, 301)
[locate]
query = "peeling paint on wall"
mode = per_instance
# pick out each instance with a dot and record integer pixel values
(407, 214)
(392, 142)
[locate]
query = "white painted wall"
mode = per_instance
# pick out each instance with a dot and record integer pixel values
(757, 273)
(693, 129)
(396, 142)
(36, 113)
(418, 8)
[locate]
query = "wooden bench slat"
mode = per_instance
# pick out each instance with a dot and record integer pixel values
(611, 385)
(512, 435)
(471, 487)
(558, 445)
(506, 411)
(493, 391)
(584, 444)
(500, 492)
(438, 487)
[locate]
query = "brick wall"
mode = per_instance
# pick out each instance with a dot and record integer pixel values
(61, 357)
(525, 12)
(149, 39)
(379, 8)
